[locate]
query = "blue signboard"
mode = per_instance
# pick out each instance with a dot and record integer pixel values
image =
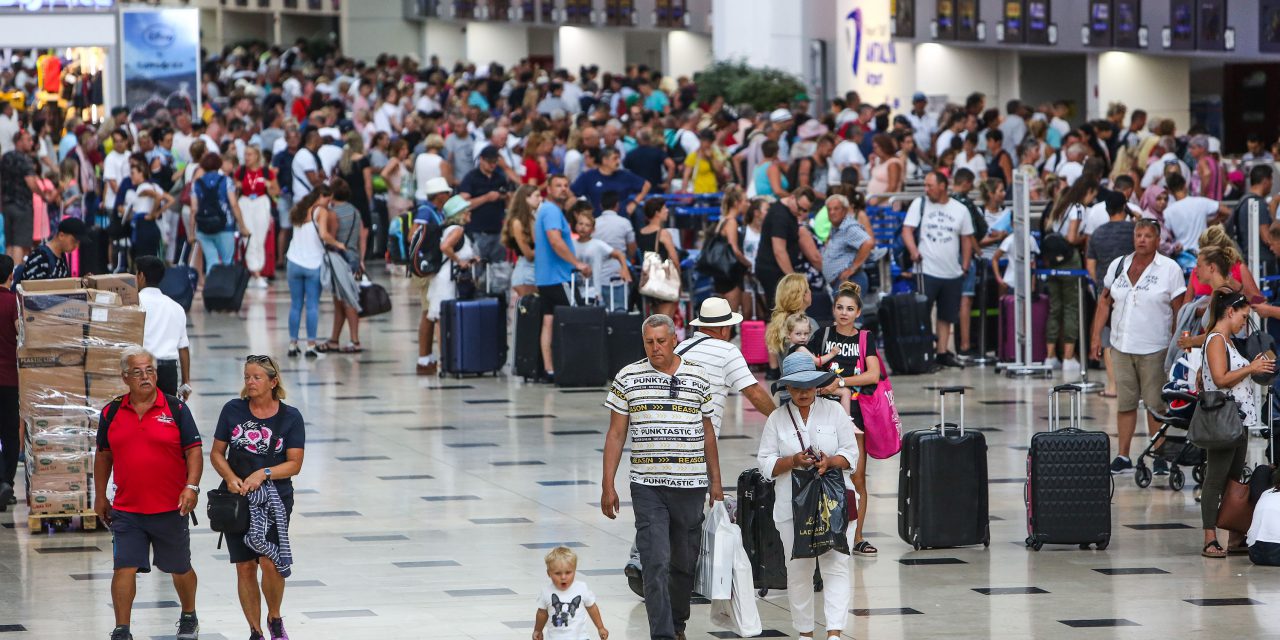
(160, 57)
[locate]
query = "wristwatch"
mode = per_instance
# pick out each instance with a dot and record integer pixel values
(840, 381)
(267, 472)
(194, 488)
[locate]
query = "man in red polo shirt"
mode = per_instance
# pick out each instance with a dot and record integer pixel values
(151, 443)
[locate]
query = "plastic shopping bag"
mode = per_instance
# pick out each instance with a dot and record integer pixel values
(738, 613)
(714, 577)
(820, 513)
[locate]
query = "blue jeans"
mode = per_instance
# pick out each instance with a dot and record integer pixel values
(614, 297)
(304, 286)
(218, 248)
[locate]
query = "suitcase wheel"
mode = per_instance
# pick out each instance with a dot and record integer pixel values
(1084, 547)
(1102, 546)
(1035, 544)
(762, 592)
(1142, 476)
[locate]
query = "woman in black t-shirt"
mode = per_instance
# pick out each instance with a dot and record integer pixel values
(259, 438)
(836, 348)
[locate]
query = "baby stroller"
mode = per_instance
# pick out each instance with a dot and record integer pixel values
(1177, 450)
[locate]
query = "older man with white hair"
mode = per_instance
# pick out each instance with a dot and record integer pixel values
(1073, 168)
(1167, 147)
(848, 246)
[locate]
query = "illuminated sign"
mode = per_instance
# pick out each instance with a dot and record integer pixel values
(56, 5)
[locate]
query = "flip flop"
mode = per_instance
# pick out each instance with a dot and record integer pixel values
(1218, 551)
(352, 347)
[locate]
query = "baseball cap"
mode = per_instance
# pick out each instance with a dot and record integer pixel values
(489, 153)
(919, 97)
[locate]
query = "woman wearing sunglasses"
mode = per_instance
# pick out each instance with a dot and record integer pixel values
(1226, 370)
(259, 442)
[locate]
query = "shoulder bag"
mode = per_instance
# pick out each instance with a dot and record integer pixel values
(880, 421)
(717, 258)
(659, 277)
(1216, 423)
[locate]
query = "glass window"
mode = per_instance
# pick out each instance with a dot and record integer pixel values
(618, 12)
(577, 11)
(464, 9)
(670, 13)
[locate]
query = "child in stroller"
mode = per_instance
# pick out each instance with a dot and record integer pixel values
(1174, 449)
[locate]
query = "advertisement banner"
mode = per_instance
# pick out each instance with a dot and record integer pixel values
(160, 60)
(869, 60)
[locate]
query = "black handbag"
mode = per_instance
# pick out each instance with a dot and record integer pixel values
(228, 512)
(374, 300)
(1216, 423)
(1258, 343)
(718, 260)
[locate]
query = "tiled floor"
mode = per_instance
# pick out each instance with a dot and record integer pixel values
(425, 507)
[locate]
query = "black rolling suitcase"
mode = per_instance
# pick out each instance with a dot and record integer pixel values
(224, 287)
(942, 484)
(1069, 484)
(93, 252)
(528, 355)
(908, 333)
(578, 343)
(760, 537)
(624, 340)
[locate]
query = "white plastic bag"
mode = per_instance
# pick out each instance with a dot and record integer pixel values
(738, 613)
(714, 577)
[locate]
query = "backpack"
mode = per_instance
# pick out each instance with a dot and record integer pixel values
(19, 272)
(210, 215)
(1055, 250)
(425, 255)
(980, 226)
(675, 150)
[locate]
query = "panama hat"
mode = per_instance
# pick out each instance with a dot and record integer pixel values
(715, 312)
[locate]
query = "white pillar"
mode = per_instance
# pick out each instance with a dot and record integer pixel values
(501, 43)
(687, 53)
(1159, 84)
(577, 46)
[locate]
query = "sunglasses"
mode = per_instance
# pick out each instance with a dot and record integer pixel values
(675, 387)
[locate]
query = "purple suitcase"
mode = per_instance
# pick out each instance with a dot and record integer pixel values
(1008, 350)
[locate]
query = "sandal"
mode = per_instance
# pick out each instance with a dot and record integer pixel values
(864, 548)
(352, 347)
(1217, 552)
(327, 346)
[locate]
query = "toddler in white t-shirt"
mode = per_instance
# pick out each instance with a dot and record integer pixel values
(566, 603)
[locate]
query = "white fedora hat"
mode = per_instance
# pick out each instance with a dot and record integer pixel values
(715, 312)
(437, 185)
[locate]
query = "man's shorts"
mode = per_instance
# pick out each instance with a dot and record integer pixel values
(556, 295)
(1139, 376)
(134, 535)
(283, 204)
(18, 227)
(945, 293)
(240, 552)
(423, 285)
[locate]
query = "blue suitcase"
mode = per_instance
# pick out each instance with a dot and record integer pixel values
(179, 282)
(473, 336)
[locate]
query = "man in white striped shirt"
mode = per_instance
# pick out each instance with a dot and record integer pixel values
(726, 371)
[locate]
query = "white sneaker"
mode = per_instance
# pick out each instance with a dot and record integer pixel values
(1070, 368)
(261, 283)
(1053, 363)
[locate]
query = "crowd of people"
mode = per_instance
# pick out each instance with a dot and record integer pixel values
(535, 177)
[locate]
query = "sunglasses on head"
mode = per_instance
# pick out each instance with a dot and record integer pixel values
(261, 360)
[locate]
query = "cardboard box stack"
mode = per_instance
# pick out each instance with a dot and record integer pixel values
(71, 334)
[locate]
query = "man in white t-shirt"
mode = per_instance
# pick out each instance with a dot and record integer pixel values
(1188, 216)
(1156, 169)
(115, 168)
(306, 166)
(943, 251)
(847, 154)
(1142, 293)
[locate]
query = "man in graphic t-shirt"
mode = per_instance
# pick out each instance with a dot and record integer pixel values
(943, 249)
(664, 401)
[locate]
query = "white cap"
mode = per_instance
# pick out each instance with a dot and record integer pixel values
(780, 115)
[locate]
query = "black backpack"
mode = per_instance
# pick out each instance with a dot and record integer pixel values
(675, 150)
(980, 227)
(210, 216)
(425, 255)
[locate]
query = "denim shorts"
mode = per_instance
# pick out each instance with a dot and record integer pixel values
(970, 285)
(523, 274)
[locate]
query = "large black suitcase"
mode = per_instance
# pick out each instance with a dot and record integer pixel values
(760, 537)
(942, 484)
(528, 355)
(624, 338)
(93, 252)
(473, 336)
(908, 334)
(578, 347)
(224, 287)
(1068, 492)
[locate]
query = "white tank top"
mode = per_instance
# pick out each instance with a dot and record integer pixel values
(306, 250)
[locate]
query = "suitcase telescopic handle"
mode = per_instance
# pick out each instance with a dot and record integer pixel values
(942, 408)
(1075, 405)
